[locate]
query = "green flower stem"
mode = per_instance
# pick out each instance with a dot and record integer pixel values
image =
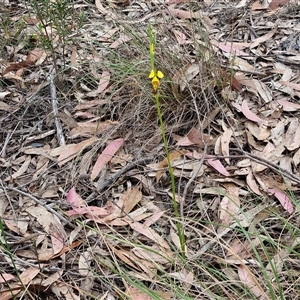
(172, 177)
(156, 76)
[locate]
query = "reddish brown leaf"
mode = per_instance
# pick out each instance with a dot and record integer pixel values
(106, 156)
(249, 114)
(283, 199)
(276, 3)
(235, 84)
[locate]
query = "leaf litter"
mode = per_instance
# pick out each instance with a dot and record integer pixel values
(244, 130)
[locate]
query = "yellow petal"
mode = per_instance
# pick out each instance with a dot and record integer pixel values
(159, 74)
(152, 74)
(155, 83)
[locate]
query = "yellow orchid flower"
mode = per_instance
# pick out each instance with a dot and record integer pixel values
(155, 84)
(155, 76)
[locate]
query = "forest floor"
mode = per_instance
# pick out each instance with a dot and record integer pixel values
(87, 209)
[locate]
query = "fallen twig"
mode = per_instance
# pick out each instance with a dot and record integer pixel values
(59, 131)
(107, 182)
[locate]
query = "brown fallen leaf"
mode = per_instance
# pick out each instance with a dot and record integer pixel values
(106, 156)
(150, 233)
(284, 200)
(22, 169)
(249, 114)
(225, 141)
(274, 4)
(104, 81)
(75, 200)
(173, 155)
(229, 205)
(68, 152)
(248, 279)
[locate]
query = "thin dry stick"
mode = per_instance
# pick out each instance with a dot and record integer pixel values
(63, 219)
(113, 178)
(59, 131)
(266, 163)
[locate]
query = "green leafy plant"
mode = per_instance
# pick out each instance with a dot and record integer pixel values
(56, 20)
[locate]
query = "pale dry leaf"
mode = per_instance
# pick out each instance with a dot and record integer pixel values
(67, 291)
(246, 218)
(56, 238)
(260, 5)
(180, 37)
(284, 200)
(4, 106)
(213, 162)
(251, 182)
(121, 40)
(173, 155)
(230, 48)
(249, 114)
(292, 136)
(248, 279)
(137, 294)
(277, 133)
(243, 249)
(183, 14)
(149, 233)
(260, 132)
(263, 90)
(68, 152)
(243, 65)
(3, 204)
(149, 268)
(296, 158)
(6, 277)
(248, 82)
(131, 198)
(84, 262)
(26, 277)
(230, 205)
(34, 55)
(274, 4)
(91, 211)
(4, 94)
(295, 86)
(217, 148)
(153, 254)
(41, 166)
(104, 81)
(175, 239)
(87, 129)
(75, 200)
(288, 106)
(225, 141)
(263, 38)
(107, 154)
(45, 218)
(23, 168)
(100, 7)
(241, 4)
(73, 57)
(89, 104)
(183, 141)
(277, 262)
